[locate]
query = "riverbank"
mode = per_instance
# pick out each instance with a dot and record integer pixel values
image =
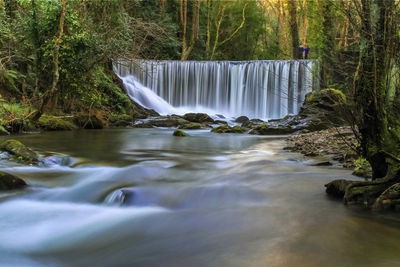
(336, 146)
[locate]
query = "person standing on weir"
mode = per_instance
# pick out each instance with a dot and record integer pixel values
(306, 51)
(301, 50)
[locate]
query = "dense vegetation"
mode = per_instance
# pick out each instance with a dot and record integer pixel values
(56, 57)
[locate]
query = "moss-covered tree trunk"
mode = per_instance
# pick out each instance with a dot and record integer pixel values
(50, 97)
(378, 130)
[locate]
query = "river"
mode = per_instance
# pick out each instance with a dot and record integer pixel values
(142, 197)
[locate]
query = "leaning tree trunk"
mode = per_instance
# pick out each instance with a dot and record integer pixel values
(378, 130)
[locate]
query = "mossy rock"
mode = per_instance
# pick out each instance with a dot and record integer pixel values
(143, 125)
(265, 129)
(180, 133)
(20, 151)
(228, 129)
(52, 123)
(191, 126)
(252, 123)
(88, 122)
(10, 182)
(121, 120)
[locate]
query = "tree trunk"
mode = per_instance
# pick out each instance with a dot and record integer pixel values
(50, 98)
(378, 129)
(293, 28)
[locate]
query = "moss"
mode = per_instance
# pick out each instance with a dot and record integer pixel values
(336, 92)
(120, 120)
(52, 123)
(228, 129)
(237, 129)
(20, 151)
(191, 126)
(310, 97)
(180, 133)
(362, 168)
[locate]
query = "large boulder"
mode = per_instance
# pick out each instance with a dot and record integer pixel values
(198, 117)
(10, 182)
(20, 151)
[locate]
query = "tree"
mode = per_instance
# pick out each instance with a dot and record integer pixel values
(376, 106)
(293, 28)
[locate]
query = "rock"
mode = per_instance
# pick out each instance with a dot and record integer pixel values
(228, 129)
(122, 120)
(88, 122)
(252, 123)
(53, 123)
(337, 188)
(20, 151)
(265, 129)
(169, 121)
(191, 126)
(220, 122)
(322, 163)
(180, 133)
(10, 182)
(198, 117)
(142, 125)
(242, 119)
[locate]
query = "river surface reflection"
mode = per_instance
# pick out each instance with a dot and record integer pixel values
(141, 197)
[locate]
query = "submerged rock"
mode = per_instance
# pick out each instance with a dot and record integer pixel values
(20, 151)
(10, 182)
(198, 117)
(180, 133)
(228, 129)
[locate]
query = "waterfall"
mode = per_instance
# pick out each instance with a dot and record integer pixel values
(257, 89)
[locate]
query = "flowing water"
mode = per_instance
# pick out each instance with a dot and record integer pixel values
(141, 197)
(258, 89)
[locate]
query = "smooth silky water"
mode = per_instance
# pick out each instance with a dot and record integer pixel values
(142, 197)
